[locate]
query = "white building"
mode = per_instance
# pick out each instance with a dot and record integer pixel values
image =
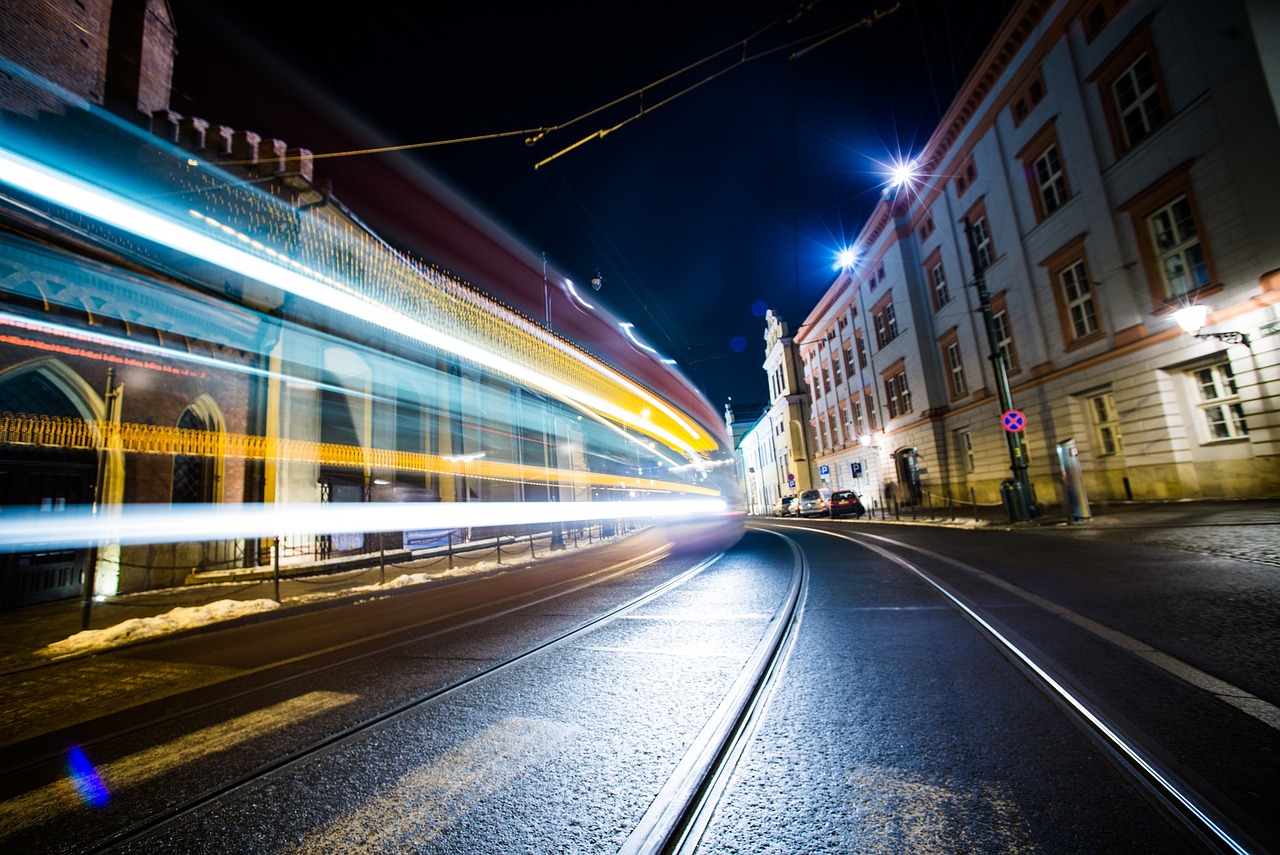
(780, 440)
(1116, 161)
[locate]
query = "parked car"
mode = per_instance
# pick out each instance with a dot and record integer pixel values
(845, 503)
(785, 506)
(813, 503)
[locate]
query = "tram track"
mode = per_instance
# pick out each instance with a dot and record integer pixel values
(681, 808)
(1164, 785)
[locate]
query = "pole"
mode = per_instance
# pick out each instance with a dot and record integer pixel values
(1021, 508)
(99, 489)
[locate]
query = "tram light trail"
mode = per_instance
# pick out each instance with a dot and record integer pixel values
(77, 434)
(77, 527)
(234, 251)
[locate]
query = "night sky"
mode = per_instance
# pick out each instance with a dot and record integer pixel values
(700, 213)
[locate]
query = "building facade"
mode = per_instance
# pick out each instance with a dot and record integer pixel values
(785, 456)
(1107, 164)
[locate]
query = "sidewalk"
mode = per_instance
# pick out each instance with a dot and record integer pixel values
(27, 632)
(24, 632)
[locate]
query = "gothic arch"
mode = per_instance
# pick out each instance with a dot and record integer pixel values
(50, 478)
(197, 478)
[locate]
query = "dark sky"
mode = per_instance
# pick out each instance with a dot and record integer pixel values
(698, 213)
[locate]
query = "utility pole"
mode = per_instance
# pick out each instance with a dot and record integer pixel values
(1016, 492)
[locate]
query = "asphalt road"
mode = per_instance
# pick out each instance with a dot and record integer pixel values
(897, 724)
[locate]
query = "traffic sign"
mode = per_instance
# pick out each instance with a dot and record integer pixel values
(824, 469)
(1013, 421)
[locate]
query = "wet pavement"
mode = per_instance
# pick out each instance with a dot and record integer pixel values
(1245, 529)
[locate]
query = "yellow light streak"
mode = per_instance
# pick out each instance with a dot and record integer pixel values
(70, 434)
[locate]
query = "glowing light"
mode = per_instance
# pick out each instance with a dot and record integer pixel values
(573, 292)
(902, 173)
(85, 779)
(1192, 318)
(628, 327)
(78, 527)
(846, 258)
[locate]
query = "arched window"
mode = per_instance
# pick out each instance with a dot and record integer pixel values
(195, 476)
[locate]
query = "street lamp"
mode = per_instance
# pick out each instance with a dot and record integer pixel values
(1193, 318)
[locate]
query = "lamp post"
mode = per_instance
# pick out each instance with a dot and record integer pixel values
(1018, 503)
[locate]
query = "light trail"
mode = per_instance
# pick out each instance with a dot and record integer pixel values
(79, 527)
(234, 251)
(64, 433)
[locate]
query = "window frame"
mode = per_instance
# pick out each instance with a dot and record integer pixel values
(1141, 208)
(885, 321)
(1066, 258)
(1105, 420)
(939, 293)
(978, 221)
(953, 364)
(1231, 405)
(1037, 148)
(896, 389)
(1028, 97)
(1115, 66)
(1000, 309)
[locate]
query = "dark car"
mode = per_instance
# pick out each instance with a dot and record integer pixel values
(845, 503)
(784, 507)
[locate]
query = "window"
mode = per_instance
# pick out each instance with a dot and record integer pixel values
(1138, 100)
(1074, 294)
(979, 234)
(849, 368)
(195, 477)
(1132, 91)
(982, 241)
(886, 322)
(1106, 424)
(1004, 334)
(966, 450)
(1219, 402)
(1097, 16)
(836, 379)
(966, 176)
(871, 408)
(1046, 176)
(1077, 295)
(857, 416)
(862, 349)
(1031, 94)
(940, 291)
(937, 278)
(953, 364)
(1051, 181)
(955, 369)
(1170, 238)
(897, 395)
(826, 378)
(926, 228)
(1177, 246)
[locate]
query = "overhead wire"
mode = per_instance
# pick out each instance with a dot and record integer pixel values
(535, 135)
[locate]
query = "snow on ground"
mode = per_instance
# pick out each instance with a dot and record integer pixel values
(189, 617)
